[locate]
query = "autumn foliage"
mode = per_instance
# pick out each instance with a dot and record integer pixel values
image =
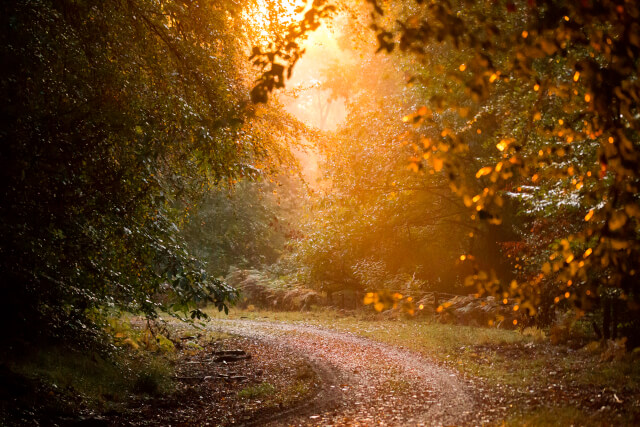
(529, 111)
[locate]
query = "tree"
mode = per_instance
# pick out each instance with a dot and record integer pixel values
(117, 115)
(543, 97)
(375, 223)
(245, 226)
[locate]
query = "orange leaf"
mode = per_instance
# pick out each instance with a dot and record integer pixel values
(484, 171)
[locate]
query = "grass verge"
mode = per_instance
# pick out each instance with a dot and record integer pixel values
(59, 383)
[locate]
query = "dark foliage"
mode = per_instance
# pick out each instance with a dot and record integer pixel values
(114, 111)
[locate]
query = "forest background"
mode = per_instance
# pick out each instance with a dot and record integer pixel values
(488, 148)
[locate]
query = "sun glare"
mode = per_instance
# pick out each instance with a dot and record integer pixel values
(267, 15)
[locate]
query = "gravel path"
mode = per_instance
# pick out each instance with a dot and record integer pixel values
(366, 382)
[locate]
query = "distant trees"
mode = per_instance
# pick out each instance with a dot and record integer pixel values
(246, 226)
(378, 224)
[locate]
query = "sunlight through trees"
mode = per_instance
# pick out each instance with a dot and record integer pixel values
(528, 111)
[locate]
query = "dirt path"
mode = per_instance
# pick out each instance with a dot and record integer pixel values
(366, 382)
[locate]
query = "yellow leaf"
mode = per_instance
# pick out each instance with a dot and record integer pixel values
(546, 268)
(370, 298)
(378, 306)
(588, 216)
(484, 171)
(437, 164)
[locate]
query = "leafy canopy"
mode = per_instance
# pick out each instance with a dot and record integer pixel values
(529, 106)
(118, 115)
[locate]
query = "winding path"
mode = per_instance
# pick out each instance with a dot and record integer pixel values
(365, 382)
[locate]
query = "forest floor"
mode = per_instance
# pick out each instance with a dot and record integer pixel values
(328, 368)
(422, 372)
(288, 374)
(364, 382)
(234, 380)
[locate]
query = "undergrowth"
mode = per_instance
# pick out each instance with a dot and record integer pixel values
(62, 381)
